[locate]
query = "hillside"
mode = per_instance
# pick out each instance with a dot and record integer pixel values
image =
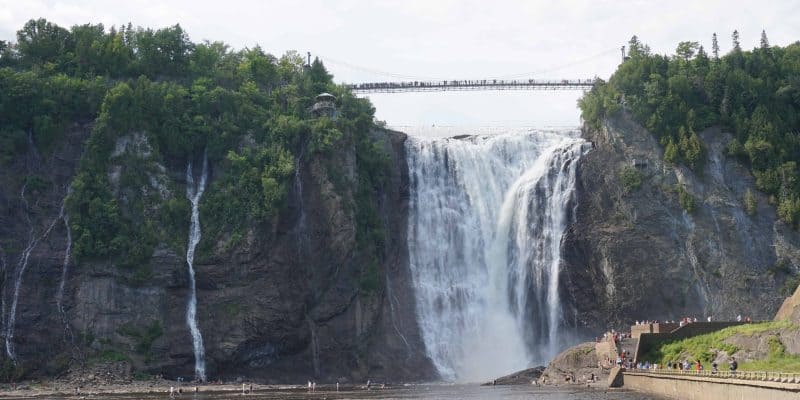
(302, 219)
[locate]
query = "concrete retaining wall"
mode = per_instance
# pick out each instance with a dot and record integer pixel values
(705, 388)
(637, 330)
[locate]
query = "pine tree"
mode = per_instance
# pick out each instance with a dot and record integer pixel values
(715, 46)
(764, 41)
(735, 37)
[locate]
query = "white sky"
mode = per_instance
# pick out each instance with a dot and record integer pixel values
(444, 39)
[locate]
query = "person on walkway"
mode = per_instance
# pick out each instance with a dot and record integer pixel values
(714, 367)
(733, 365)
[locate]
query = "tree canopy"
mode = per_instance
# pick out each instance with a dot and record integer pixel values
(246, 109)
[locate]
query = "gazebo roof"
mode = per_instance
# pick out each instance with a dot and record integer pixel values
(326, 96)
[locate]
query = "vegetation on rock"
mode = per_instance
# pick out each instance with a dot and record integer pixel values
(755, 94)
(174, 100)
(706, 348)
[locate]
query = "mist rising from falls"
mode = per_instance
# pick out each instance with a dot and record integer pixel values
(486, 218)
(194, 191)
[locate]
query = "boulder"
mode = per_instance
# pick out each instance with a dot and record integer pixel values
(524, 377)
(790, 310)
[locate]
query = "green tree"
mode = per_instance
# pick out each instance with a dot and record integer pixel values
(40, 42)
(686, 50)
(715, 46)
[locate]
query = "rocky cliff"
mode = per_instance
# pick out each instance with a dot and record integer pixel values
(285, 305)
(652, 240)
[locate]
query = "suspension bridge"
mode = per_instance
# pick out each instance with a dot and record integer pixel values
(397, 83)
(470, 85)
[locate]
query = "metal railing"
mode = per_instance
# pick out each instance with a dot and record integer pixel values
(763, 376)
(480, 84)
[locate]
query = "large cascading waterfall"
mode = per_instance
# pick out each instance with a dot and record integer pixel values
(486, 218)
(194, 191)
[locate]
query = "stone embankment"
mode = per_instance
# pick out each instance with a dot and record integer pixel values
(691, 386)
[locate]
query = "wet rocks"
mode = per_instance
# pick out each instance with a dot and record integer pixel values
(525, 377)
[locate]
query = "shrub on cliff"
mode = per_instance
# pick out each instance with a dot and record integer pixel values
(631, 178)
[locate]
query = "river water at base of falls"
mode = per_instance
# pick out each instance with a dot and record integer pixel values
(408, 392)
(486, 217)
(194, 191)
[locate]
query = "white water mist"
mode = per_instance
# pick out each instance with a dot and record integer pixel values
(194, 191)
(486, 218)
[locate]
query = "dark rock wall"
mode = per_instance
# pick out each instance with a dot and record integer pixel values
(633, 255)
(284, 306)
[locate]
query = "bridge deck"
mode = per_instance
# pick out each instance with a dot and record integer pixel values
(462, 85)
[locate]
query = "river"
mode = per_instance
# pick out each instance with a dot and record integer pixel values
(411, 392)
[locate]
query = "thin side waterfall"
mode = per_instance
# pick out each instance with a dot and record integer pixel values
(22, 265)
(63, 283)
(194, 192)
(486, 219)
(314, 346)
(301, 227)
(4, 269)
(392, 299)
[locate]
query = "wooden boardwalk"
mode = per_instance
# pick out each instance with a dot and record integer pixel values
(470, 85)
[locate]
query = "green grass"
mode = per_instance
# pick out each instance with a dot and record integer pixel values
(705, 348)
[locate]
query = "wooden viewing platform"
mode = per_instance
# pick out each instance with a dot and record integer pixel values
(469, 85)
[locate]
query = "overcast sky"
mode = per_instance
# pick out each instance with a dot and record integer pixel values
(363, 41)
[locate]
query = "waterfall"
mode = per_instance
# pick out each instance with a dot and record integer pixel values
(392, 299)
(314, 346)
(486, 218)
(64, 274)
(194, 192)
(22, 265)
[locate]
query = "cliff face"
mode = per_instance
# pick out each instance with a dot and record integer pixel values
(636, 253)
(284, 305)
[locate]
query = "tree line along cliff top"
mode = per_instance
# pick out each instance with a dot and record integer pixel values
(755, 95)
(249, 111)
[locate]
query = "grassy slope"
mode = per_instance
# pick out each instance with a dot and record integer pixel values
(705, 348)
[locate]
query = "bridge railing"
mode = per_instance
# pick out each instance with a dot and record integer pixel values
(472, 84)
(763, 376)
